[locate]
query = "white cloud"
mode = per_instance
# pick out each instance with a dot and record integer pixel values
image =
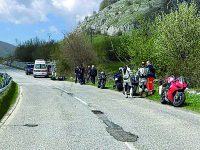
(54, 30)
(50, 30)
(31, 11)
(66, 5)
(41, 31)
(15, 12)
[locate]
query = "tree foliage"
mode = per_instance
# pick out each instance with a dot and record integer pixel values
(109, 48)
(76, 49)
(33, 49)
(172, 43)
(178, 40)
(139, 44)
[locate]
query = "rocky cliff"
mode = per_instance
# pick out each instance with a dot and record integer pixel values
(122, 15)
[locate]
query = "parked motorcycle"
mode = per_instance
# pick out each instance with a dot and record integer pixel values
(142, 87)
(101, 80)
(134, 85)
(118, 82)
(173, 91)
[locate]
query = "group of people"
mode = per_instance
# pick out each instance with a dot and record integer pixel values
(80, 74)
(146, 75)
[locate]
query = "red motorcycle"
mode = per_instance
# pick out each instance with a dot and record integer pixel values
(173, 91)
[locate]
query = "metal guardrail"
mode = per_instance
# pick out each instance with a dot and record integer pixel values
(6, 82)
(17, 64)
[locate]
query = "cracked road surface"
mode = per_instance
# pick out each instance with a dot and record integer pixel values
(59, 115)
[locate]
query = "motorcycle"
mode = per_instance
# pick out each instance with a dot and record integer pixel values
(101, 80)
(118, 82)
(134, 85)
(173, 91)
(142, 87)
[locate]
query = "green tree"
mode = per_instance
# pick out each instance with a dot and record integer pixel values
(76, 49)
(140, 44)
(35, 49)
(178, 40)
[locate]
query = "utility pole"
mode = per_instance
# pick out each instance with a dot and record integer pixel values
(49, 36)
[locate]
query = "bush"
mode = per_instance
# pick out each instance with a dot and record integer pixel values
(76, 49)
(109, 48)
(140, 45)
(177, 39)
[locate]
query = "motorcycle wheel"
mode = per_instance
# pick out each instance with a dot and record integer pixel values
(134, 89)
(162, 97)
(179, 99)
(141, 93)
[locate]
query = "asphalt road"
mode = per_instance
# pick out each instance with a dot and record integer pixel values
(62, 115)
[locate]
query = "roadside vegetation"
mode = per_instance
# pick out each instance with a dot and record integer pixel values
(8, 98)
(35, 48)
(170, 41)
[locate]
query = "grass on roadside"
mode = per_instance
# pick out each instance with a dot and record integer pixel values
(1, 79)
(8, 98)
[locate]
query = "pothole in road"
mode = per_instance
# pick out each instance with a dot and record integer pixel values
(31, 125)
(115, 130)
(96, 112)
(70, 94)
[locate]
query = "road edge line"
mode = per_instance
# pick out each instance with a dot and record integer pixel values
(80, 100)
(131, 147)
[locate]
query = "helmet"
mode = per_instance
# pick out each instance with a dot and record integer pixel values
(143, 64)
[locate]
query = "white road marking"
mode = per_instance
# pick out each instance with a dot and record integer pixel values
(80, 100)
(130, 146)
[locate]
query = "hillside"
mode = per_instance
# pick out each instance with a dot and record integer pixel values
(6, 49)
(121, 16)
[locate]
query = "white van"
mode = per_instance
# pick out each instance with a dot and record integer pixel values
(40, 68)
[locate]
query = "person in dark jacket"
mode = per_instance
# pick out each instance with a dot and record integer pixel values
(88, 73)
(150, 77)
(82, 72)
(93, 74)
(76, 71)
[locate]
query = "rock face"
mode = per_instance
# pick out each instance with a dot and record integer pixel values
(122, 15)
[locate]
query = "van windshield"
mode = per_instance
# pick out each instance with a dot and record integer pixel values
(40, 66)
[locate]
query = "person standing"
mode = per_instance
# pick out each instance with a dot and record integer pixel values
(93, 74)
(88, 73)
(150, 77)
(76, 71)
(82, 72)
(142, 74)
(126, 72)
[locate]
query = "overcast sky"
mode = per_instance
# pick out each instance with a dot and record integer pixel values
(21, 20)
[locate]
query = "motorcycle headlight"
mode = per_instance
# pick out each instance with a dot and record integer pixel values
(116, 79)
